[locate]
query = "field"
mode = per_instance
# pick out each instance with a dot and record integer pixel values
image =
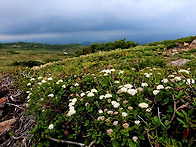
(44, 53)
(123, 97)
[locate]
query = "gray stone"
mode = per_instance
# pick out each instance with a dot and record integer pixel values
(179, 62)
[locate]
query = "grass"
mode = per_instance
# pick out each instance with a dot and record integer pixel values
(16, 52)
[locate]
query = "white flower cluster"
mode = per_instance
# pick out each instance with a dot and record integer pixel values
(190, 81)
(51, 126)
(183, 71)
(115, 104)
(71, 107)
(165, 80)
(143, 105)
(127, 89)
(107, 71)
(144, 84)
(147, 74)
(59, 81)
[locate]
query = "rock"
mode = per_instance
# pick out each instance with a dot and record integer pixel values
(193, 44)
(186, 44)
(179, 62)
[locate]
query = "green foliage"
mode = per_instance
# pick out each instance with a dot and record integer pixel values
(29, 63)
(172, 43)
(123, 44)
(93, 108)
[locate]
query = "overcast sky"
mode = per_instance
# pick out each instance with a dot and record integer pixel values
(76, 21)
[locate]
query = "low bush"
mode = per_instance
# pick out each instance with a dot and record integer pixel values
(29, 63)
(151, 107)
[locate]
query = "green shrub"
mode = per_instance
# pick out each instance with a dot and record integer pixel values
(29, 63)
(93, 109)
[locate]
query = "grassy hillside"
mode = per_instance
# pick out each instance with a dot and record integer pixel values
(124, 97)
(11, 53)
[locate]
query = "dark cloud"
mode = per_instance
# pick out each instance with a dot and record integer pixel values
(83, 20)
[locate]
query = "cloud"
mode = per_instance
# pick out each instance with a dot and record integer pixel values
(35, 18)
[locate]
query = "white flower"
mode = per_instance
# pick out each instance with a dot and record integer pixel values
(124, 114)
(184, 71)
(113, 102)
(132, 91)
(171, 76)
(135, 138)
(60, 81)
(190, 81)
(94, 90)
(28, 92)
(116, 82)
(168, 87)
(51, 95)
(130, 108)
(123, 89)
(143, 105)
(160, 87)
(63, 86)
(106, 71)
(100, 111)
(71, 105)
(49, 79)
(108, 95)
(137, 122)
(148, 110)
(101, 97)
(133, 69)
(43, 81)
(120, 72)
(90, 94)
(39, 78)
(112, 70)
(116, 105)
(73, 100)
(128, 86)
(29, 84)
(71, 112)
(110, 112)
(139, 89)
(144, 84)
(39, 83)
(32, 79)
(165, 80)
(51, 126)
(82, 94)
(147, 75)
(76, 84)
(177, 79)
(155, 92)
(105, 74)
(115, 123)
(101, 118)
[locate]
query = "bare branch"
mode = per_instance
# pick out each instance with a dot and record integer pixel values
(68, 142)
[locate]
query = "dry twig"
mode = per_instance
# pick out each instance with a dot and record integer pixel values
(181, 107)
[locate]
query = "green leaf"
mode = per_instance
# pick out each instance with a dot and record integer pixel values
(156, 119)
(181, 121)
(86, 123)
(165, 101)
(123, 142)
(180, 114)
(191, 112)
(130, 143)
(185, 114)
(115, 144)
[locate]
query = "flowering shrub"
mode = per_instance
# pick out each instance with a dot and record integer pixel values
(115, 107)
